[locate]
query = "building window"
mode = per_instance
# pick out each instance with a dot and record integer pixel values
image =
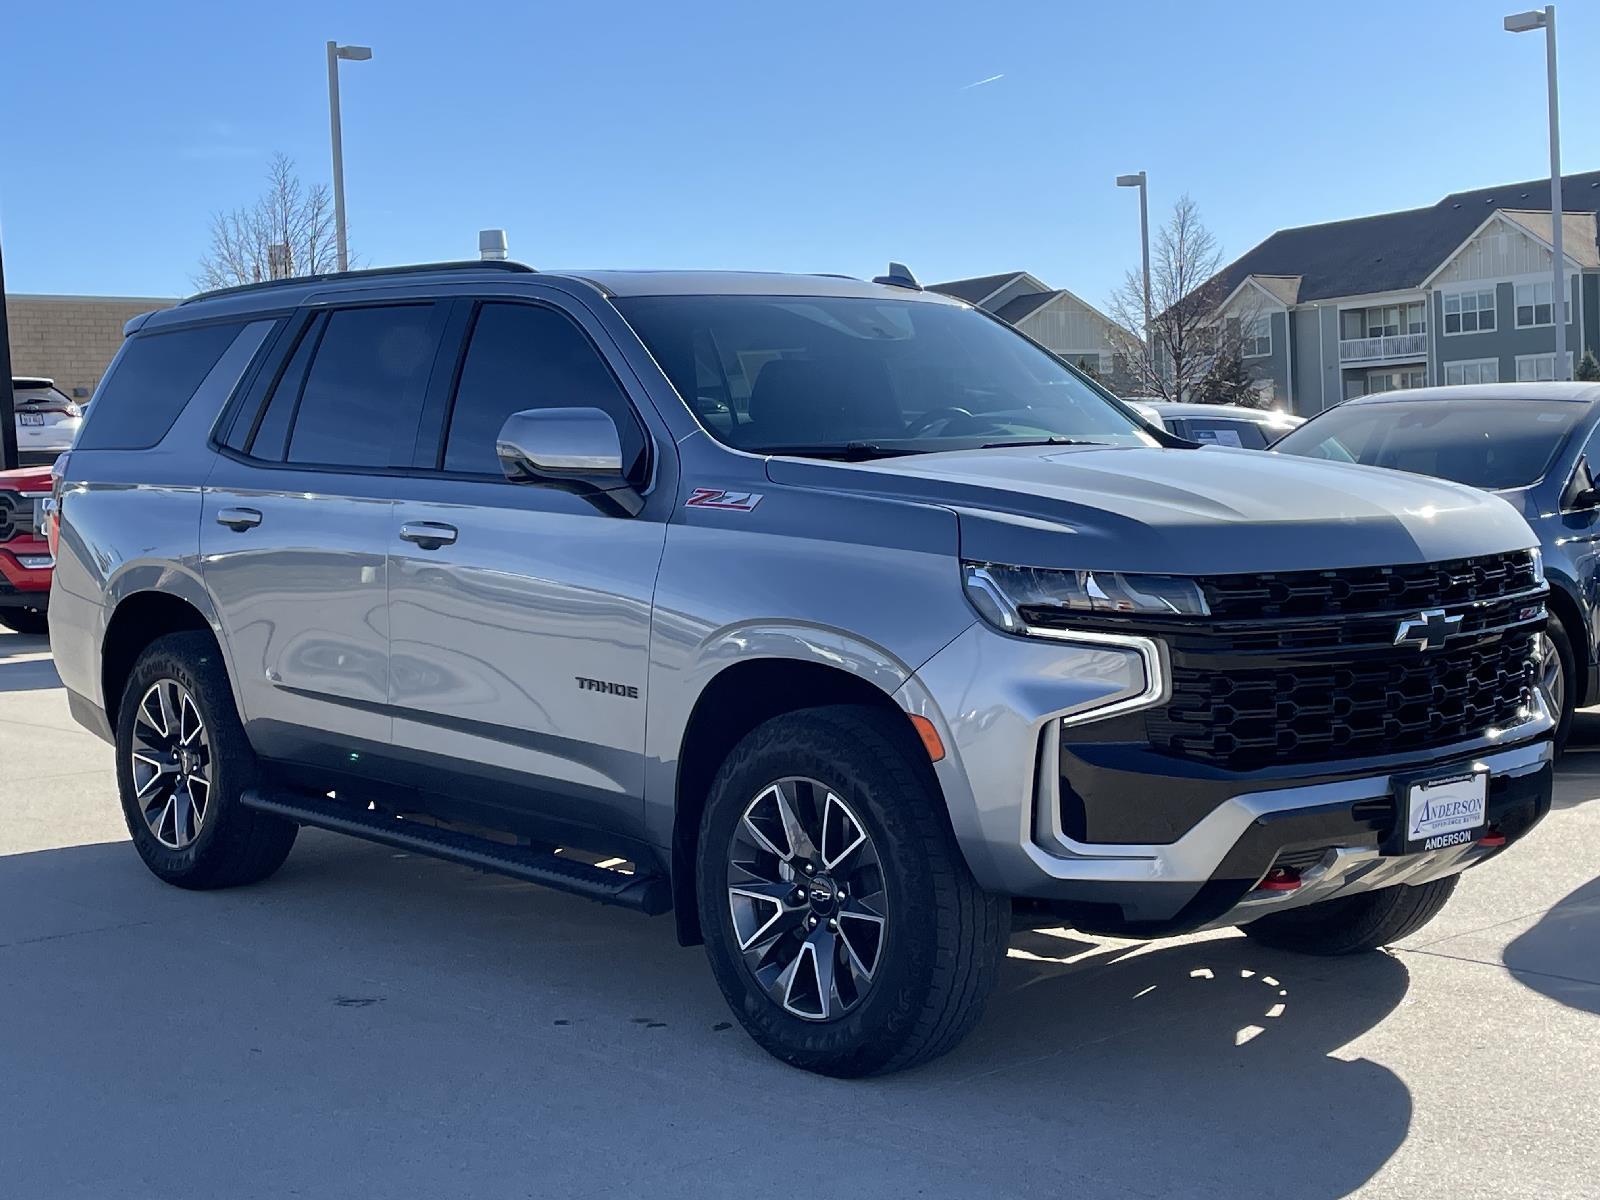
(1469, 312)
(1474, 370)
(1534, 306)
(1256, 338)
(1535, 368)
(1394, 378)
(1417, 317)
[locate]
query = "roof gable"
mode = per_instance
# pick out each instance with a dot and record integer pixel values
(977, 289)
(1396, 251)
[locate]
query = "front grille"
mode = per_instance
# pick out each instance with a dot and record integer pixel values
(1302, 667)
(16, 515)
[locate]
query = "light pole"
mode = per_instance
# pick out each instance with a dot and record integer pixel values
(1525, 22)
(1139, 182)
(335, 53)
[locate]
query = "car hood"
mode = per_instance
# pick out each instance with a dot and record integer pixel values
(1181, 511)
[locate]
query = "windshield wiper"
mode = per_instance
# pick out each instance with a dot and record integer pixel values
(843, 451)
(1048, 441)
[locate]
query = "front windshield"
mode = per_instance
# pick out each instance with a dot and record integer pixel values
(1491, 444)
(826, 374)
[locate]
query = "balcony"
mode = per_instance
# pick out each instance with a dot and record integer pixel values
(1373, 349)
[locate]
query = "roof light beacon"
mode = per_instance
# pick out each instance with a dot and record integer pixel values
(492, 245)
(899, 276)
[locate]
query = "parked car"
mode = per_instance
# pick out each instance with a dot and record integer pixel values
(47, 420)
(25, 558)
(1220, 424)
(1528, 442)
(837, 618)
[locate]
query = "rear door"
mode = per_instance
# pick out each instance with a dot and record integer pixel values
(520, 642)
(295, 526)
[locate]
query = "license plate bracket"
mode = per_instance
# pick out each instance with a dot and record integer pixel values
(1440, 810)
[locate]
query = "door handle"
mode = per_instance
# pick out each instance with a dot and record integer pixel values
(239, 519)
(430, 535)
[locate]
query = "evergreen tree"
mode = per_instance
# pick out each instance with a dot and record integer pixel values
(1589, 368)
(1227, 381)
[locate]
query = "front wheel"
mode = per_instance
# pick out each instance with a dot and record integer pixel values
(1354, 924)
(1556, 676)
(841, 921)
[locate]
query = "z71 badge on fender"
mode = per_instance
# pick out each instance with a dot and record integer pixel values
(719, 498)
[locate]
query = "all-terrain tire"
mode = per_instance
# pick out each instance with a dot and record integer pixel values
(233, 845)
(1566, 704)
(944, 937)
(1353, 924)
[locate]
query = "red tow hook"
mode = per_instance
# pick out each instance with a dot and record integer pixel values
(1492, 839)
(1280, 879)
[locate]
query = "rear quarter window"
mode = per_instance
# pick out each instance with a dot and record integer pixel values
(148, 385)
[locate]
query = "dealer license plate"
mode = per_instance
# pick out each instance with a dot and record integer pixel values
(30, 418)
(1446, 812)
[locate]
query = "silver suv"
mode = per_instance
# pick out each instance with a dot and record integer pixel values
(838, 619)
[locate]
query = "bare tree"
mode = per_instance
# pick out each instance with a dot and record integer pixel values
(1187, 333)
(287, 231)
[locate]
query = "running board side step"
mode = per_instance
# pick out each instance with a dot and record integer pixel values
(649, 894)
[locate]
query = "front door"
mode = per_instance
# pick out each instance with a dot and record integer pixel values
(519, 615)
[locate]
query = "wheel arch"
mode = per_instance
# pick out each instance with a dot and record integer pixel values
(738, 698)
(138, 619)
(1563, 604)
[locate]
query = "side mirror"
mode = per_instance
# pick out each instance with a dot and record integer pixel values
(574, 449)
(1581, 494)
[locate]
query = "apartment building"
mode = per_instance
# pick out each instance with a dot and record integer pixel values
(1459, 292)
(1055, 318)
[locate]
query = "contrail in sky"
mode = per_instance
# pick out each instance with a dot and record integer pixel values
(981, 82)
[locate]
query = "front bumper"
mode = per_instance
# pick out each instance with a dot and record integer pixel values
(25, 569)
(1002, 704)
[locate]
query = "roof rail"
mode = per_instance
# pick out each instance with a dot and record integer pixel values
(473, 264)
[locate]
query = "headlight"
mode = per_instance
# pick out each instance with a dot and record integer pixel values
(1012, 598)
(1536, 555)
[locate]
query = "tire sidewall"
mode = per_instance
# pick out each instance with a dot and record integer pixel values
(1557, 633)
(193, 664)
(867, 1035)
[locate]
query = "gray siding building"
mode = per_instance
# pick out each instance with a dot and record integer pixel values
(1061, 322)
(1460, 292)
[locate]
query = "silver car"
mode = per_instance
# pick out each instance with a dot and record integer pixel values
(836, 618)
(47, 420)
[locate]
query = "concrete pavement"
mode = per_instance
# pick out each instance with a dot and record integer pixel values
(369, 1023)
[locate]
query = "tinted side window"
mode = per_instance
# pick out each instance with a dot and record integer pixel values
(521, 357)
(272, 433)
(153, 378)
(364, 387)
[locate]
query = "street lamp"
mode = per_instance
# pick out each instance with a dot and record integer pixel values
(1139, 182)
(1526, 22)
(353, 54)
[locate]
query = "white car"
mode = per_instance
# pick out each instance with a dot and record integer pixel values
(47, 420)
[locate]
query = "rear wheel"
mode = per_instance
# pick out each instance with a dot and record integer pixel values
(182, 761)
(1353, 924)
(840, 918)
(25, 620)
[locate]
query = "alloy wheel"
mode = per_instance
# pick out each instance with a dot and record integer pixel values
(806, 891)
(1552, 679)
(172, 764)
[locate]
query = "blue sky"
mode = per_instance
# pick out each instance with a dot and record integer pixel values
(820, 136)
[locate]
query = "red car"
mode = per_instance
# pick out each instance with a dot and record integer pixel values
(25, 558)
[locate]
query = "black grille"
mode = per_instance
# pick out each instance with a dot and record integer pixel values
(1368, 589)
(15, 514)
(1302, 667)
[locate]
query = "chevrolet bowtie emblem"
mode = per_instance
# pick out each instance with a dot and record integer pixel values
(1428, 630)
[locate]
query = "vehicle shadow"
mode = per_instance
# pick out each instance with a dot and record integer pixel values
(367, 1008)
(20, 670)
(1560, 956)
